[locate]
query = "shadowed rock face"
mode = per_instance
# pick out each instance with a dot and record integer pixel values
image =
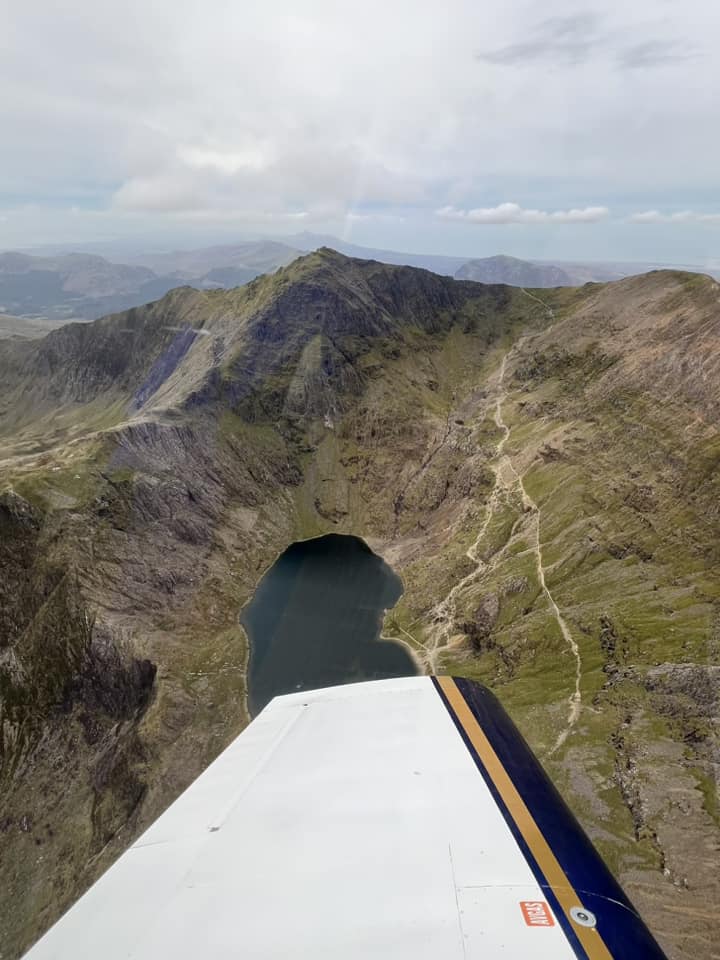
(165, 365)
(54, 659)
(156, 463)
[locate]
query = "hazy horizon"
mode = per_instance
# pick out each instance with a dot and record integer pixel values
(567, 133)
(137, 247)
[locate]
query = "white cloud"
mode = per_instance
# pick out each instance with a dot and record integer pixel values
(681, 216)
(354, 217)
(250, 157)
(166, 193)
(267, 178)
(514, 213)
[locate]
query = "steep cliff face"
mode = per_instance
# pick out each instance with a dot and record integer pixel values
(72, 696)
(520, 458)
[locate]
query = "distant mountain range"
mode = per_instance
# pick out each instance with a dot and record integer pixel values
(81, 286)
(227, 266)
(45, 291)
(501, 268)
(73, 286)
(525, 273)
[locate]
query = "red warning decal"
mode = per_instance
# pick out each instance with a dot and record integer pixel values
(537, 913)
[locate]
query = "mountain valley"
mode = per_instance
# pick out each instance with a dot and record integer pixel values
(540, 467)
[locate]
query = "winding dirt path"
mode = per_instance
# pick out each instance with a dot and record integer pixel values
(444, 614)
(575, 699)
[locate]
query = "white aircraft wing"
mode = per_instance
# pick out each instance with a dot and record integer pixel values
(391, 819)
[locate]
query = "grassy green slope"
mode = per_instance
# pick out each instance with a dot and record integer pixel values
(624, 480)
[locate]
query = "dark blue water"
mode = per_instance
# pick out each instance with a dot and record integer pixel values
(315, 620)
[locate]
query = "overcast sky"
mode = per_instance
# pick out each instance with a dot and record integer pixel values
(547, 129)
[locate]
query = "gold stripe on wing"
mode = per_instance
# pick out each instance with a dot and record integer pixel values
(555, 876)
